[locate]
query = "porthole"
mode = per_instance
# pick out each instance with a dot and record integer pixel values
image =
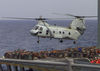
(69, 33)
(53, 31)
(40, 32)
(63, 32)
(60, 32)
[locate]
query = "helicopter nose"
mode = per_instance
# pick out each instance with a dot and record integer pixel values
(84, 29)
(33, 32)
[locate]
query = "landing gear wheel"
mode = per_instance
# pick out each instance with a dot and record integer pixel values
(61, 41)
(74, 42)
(38, 41)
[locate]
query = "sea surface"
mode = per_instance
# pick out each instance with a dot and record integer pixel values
(15, 34)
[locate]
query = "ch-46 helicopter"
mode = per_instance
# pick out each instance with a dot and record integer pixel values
(44, 30)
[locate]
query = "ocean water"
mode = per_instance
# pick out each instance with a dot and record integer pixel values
(15, 34)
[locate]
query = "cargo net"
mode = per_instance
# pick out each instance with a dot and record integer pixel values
(79, 52)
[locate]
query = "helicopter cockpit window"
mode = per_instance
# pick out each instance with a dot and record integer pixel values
(36, 27)
(41, 28)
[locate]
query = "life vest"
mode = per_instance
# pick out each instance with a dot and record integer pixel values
(80, 49)
(95, 61)
(92, 61)
(98, 61)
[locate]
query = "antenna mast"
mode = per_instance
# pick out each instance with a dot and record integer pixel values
(98, 39)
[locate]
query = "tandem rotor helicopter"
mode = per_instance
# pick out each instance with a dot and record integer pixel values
(44, 30)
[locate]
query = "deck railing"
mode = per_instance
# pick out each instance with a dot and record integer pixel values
(70, 64)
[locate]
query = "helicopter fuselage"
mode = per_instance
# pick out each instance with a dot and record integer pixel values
(56, 32)
(44, 30)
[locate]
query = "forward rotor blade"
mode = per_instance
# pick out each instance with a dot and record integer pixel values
(37, 18)
(20, 18)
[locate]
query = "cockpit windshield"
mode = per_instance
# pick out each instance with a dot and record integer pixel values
(36, 27)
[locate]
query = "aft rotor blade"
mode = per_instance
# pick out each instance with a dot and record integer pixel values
(70, 15)
(76, 16)
(65, 14)
(89, 16)
(59, 14)
(81, 16)
(58, 18)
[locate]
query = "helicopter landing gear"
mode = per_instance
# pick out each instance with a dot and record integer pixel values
(74, 42)
(38, 40)
(61, 41)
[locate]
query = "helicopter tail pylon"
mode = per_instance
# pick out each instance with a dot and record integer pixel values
(78, 22)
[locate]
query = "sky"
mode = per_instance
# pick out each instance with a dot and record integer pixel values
(46, 8)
